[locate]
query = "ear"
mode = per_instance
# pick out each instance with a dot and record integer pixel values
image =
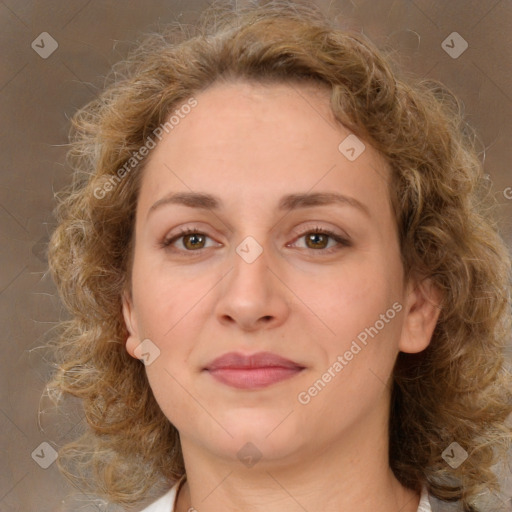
(131, 324)
(422, 310)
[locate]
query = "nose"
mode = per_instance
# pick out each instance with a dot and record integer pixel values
(253, 295)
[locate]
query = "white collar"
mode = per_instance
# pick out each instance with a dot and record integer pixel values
(424, 505)
(167, 502)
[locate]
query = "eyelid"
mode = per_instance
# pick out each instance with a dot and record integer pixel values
(170, 239)
(317, 227)
(341, 239)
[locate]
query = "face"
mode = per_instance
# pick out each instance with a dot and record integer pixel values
(270, 263)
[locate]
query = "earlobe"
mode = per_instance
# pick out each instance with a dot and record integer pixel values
(423, 307)
(132, 340)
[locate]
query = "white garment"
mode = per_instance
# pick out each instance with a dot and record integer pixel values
(167, 502)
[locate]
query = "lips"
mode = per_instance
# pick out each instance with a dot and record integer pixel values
(252, 371)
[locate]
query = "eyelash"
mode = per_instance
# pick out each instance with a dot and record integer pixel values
(167, 242)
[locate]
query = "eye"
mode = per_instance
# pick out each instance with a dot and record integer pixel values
(318, 239)
(193, 239)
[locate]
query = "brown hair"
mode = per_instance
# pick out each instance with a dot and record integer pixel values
(458, 389)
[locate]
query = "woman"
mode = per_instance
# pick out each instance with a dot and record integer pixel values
(286, 289)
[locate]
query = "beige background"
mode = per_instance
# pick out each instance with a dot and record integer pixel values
(37, 96)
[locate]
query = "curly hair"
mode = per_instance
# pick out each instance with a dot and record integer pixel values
(458, 389)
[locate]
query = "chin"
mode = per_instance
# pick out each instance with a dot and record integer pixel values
(269, 435)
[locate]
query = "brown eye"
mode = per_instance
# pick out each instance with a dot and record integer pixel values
(318, 240)
(193, 241)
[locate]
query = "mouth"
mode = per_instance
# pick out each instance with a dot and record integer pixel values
(252, 372)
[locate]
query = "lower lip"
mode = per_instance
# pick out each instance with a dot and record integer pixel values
(253, 378)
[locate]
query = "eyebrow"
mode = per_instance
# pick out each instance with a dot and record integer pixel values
(287, 203)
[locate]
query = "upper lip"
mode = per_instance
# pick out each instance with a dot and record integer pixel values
(258, 360)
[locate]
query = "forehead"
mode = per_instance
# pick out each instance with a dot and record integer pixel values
(260, 110)
(262, 140)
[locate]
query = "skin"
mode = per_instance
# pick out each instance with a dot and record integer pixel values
(251, 144)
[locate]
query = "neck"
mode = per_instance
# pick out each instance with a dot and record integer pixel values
(350, 474)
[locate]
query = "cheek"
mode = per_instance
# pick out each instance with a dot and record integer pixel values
(351, 297)
(361, 305)
(363, 312)
(170, 311)
(166, 296)
(171, 392)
